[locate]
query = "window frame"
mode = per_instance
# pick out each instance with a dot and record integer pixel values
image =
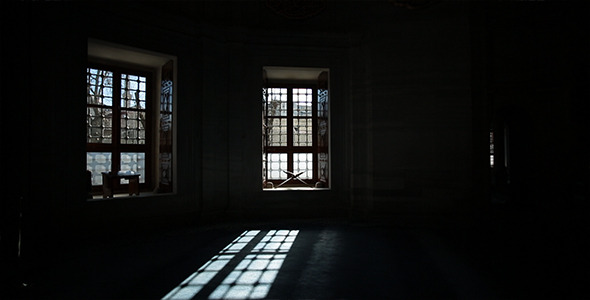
(290, 149)
(116, 147)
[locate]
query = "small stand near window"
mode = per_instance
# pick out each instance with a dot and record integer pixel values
(110, 179)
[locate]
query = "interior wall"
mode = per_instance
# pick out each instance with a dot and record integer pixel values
(537, 75)
(402, 111)
(412, 110)
(42, 79)
(233, 148)
(399, 103)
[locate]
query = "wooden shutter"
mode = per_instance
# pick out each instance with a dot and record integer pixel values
(166, 129)
(323, 130)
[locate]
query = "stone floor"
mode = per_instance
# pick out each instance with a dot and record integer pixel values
(321, 259)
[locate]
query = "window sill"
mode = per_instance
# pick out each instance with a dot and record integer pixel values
(96, 198)
(295, 189)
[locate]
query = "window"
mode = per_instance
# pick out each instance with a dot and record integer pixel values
(118, 121)
(295, 134)
(130, 116)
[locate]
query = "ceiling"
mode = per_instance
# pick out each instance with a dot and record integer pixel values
(293, 73)
(113, 52)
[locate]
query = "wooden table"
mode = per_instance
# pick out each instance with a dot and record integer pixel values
(109, 179)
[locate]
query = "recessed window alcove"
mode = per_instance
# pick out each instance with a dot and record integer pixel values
(295, 128)
(130, 111)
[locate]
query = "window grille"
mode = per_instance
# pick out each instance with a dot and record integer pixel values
(295, 134)
(118, 122)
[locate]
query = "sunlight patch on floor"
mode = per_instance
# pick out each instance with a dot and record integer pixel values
(256, 258)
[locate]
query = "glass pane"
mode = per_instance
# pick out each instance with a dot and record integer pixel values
(98, 162)
(133, 127)
(277, 162)
(99, 125)
(303, 162)
(133, 91)
(302, 102)
(302, 132)
(99, 87)
(277, 131)
(133, 162)
(277, 102)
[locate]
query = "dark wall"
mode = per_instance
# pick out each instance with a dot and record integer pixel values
(536, 81)
(413, 111)
(41, 78)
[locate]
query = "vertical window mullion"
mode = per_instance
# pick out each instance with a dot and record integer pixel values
(116, 159)
(266, 133)
(290, 129)
(314, 134)
(148, 146)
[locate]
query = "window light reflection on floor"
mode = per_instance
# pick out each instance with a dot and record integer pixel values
(252, 277)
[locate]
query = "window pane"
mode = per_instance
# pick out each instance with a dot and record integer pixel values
(277, 102)
(99, 97)
(133, 127)
(99, 125)
(303, 162)
(277, 162)
(302, 132)
(98, 162)
(302, 102)
(277, 131)
(133, 89)
(99, 87)
(135, 162)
